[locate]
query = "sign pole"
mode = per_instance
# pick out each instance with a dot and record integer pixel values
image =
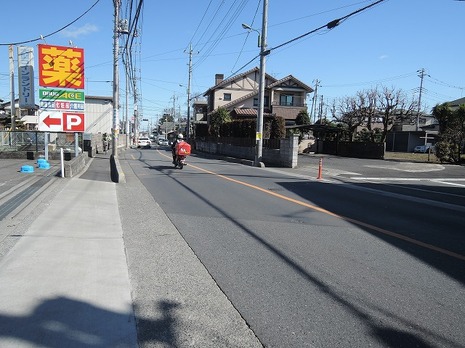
(62, 163)
(46, 141)
(76, 144)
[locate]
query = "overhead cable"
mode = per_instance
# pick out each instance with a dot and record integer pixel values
(330, 25)
(41, 37)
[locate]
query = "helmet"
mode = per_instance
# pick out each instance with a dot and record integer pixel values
(180, 136)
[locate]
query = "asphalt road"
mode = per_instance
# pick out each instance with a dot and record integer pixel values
(373, 254)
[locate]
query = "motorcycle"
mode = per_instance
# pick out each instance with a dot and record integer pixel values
(182, 150)
(180, 161)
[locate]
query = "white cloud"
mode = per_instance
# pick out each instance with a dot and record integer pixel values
(383, 57)
(81, 31)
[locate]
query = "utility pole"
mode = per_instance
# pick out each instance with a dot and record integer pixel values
(188, 133)
(115, 125)
(315, 94)
(12, 91)
(174, 110)
(261, 89)
(421, 75)
(320, 109)
(126, 119)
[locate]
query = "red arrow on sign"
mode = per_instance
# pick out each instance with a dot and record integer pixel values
(52, 121)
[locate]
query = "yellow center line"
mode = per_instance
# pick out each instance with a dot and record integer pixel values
(327, 212)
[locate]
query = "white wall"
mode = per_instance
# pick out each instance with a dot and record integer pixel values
(99, 115)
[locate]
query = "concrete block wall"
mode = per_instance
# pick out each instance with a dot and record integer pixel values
(286, 156)
(75, 165)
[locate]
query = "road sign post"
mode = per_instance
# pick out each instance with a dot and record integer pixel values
(426, 137)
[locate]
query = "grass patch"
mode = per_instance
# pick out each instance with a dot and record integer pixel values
(416, 157)
(411, 157)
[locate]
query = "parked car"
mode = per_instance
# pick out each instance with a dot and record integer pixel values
(422, 148)
(144, 142)
(163, 142)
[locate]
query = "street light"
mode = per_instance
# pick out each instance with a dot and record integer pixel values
(248, 27)
(261, 84)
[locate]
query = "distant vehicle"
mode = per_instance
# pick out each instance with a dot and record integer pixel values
(144, 142)
(422, 148)
(163, 142)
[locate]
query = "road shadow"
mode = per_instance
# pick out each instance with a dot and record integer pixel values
(343, 200)
(63, 322)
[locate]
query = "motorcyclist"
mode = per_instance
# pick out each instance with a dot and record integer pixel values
(179, 138)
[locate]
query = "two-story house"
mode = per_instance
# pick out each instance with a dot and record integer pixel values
(239, 95)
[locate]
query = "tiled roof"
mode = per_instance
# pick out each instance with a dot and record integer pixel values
(249, 112)
(457, 102)
(233, 78)
(246, 112)
(290, 77)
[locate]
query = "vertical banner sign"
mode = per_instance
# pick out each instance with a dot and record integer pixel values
(26, 77)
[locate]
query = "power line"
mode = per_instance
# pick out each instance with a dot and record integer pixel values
(329, 25)
(41, 37)
(201, 21)
(438, 82)
(248, 33)
(234, 10)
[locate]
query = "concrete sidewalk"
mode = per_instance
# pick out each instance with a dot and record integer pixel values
(65, 282)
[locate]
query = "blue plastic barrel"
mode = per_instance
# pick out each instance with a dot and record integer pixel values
(44, 165)
(27, 169)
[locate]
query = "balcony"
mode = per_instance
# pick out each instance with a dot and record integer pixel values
(294, 101)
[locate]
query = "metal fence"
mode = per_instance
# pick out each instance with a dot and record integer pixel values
(26, 141)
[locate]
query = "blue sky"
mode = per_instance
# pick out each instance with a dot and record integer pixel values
(383, 46)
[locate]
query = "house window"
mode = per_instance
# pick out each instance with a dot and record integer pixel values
(227, 96)
(286, 100)
(266, 101)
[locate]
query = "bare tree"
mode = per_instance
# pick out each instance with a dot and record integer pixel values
(393, 105)
(350, 114)
(376, 110)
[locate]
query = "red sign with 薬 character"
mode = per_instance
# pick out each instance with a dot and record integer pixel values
(61, 66)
